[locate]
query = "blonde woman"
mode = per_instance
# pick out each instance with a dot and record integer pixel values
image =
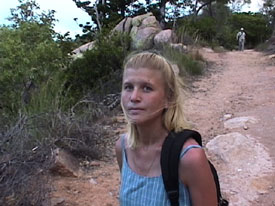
(152, 103)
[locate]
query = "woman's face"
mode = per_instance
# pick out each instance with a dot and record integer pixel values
(143, 95)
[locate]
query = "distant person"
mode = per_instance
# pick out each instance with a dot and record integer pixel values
(241, 39)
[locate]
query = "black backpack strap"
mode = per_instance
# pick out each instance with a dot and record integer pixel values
(169, 161)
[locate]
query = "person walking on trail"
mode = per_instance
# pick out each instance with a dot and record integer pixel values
(241, 39)
(152, 102)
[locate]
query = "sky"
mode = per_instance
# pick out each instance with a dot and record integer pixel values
(254, 6)
(66, 11)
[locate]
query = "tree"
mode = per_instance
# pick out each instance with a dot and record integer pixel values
(161, 5)
(207, 4)
(29, 55)
(256, 25)
(105, 13)
(269, 10)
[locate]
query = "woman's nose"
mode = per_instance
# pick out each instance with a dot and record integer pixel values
(135, 96)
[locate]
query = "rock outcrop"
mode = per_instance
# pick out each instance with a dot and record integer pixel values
(145, 32)
(65, 164)
(243, 164)
(165, 36)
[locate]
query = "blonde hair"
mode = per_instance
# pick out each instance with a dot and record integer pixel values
(173, 116)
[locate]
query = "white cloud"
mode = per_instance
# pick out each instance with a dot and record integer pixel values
(66, 11)
(255, 6)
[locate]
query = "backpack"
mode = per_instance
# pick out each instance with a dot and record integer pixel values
(170, 154)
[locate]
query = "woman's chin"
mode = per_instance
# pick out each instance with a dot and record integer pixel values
(134, 119)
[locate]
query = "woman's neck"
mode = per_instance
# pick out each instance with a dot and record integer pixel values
(153, 134)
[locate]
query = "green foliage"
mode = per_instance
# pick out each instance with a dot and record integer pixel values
(29, 56)
(105, 14)
(97, 66)
(221, 29)
(28, 11)
(188, 63)
(256, 25)
(226, 38)
(190, 29)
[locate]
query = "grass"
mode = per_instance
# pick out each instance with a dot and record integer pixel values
(188, 63)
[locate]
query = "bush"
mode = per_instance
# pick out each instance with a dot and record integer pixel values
(204, 27)
(26, 149)
(256, 26)
(29, 57)
(187, 63)
(98, 67)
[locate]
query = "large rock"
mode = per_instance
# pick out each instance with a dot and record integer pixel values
(78, 52)
(124, 26)
(239, 122)
(143, 39)
(65, 164)
(144, 29)
(137, 20)
(242, 163)
(163, 37)
(150, 21)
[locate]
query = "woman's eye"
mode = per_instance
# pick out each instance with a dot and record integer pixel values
(147, 89)
(128, 87)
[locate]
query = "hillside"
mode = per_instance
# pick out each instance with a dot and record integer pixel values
(238, 84)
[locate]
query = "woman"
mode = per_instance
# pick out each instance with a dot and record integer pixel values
(152, 103)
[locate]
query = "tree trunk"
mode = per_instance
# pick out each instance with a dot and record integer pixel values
(203, 5)
(210, 9)
(97, 17)
(162, 13)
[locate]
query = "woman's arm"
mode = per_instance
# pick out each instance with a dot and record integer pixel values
(196, 174)
(118, 150)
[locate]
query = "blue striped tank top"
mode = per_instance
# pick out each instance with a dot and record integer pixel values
(137, 190)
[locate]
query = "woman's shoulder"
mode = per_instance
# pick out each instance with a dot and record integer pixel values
(119, 147)
(192, 152)
(193, 160)
(121, 141)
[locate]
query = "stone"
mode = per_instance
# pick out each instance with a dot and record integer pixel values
(239, 122)
(57, 201)
(143, 38)
(144, 29)
(124, 26)
(180, 47)
(243, 164)
(227, 116)
(137, 21)
(64, 164)
(150, 21)
(78, 52)
(93, 181)
(163, 37)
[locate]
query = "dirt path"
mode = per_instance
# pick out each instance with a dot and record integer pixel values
(241, 84)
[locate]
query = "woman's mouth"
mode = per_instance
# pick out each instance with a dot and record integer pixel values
(135, 110)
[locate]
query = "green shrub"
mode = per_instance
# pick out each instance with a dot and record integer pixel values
(28, 55)
(98, 67)
(226, 38)
(204, 27)
(188, 63)
(256, 26)
(26, 149)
